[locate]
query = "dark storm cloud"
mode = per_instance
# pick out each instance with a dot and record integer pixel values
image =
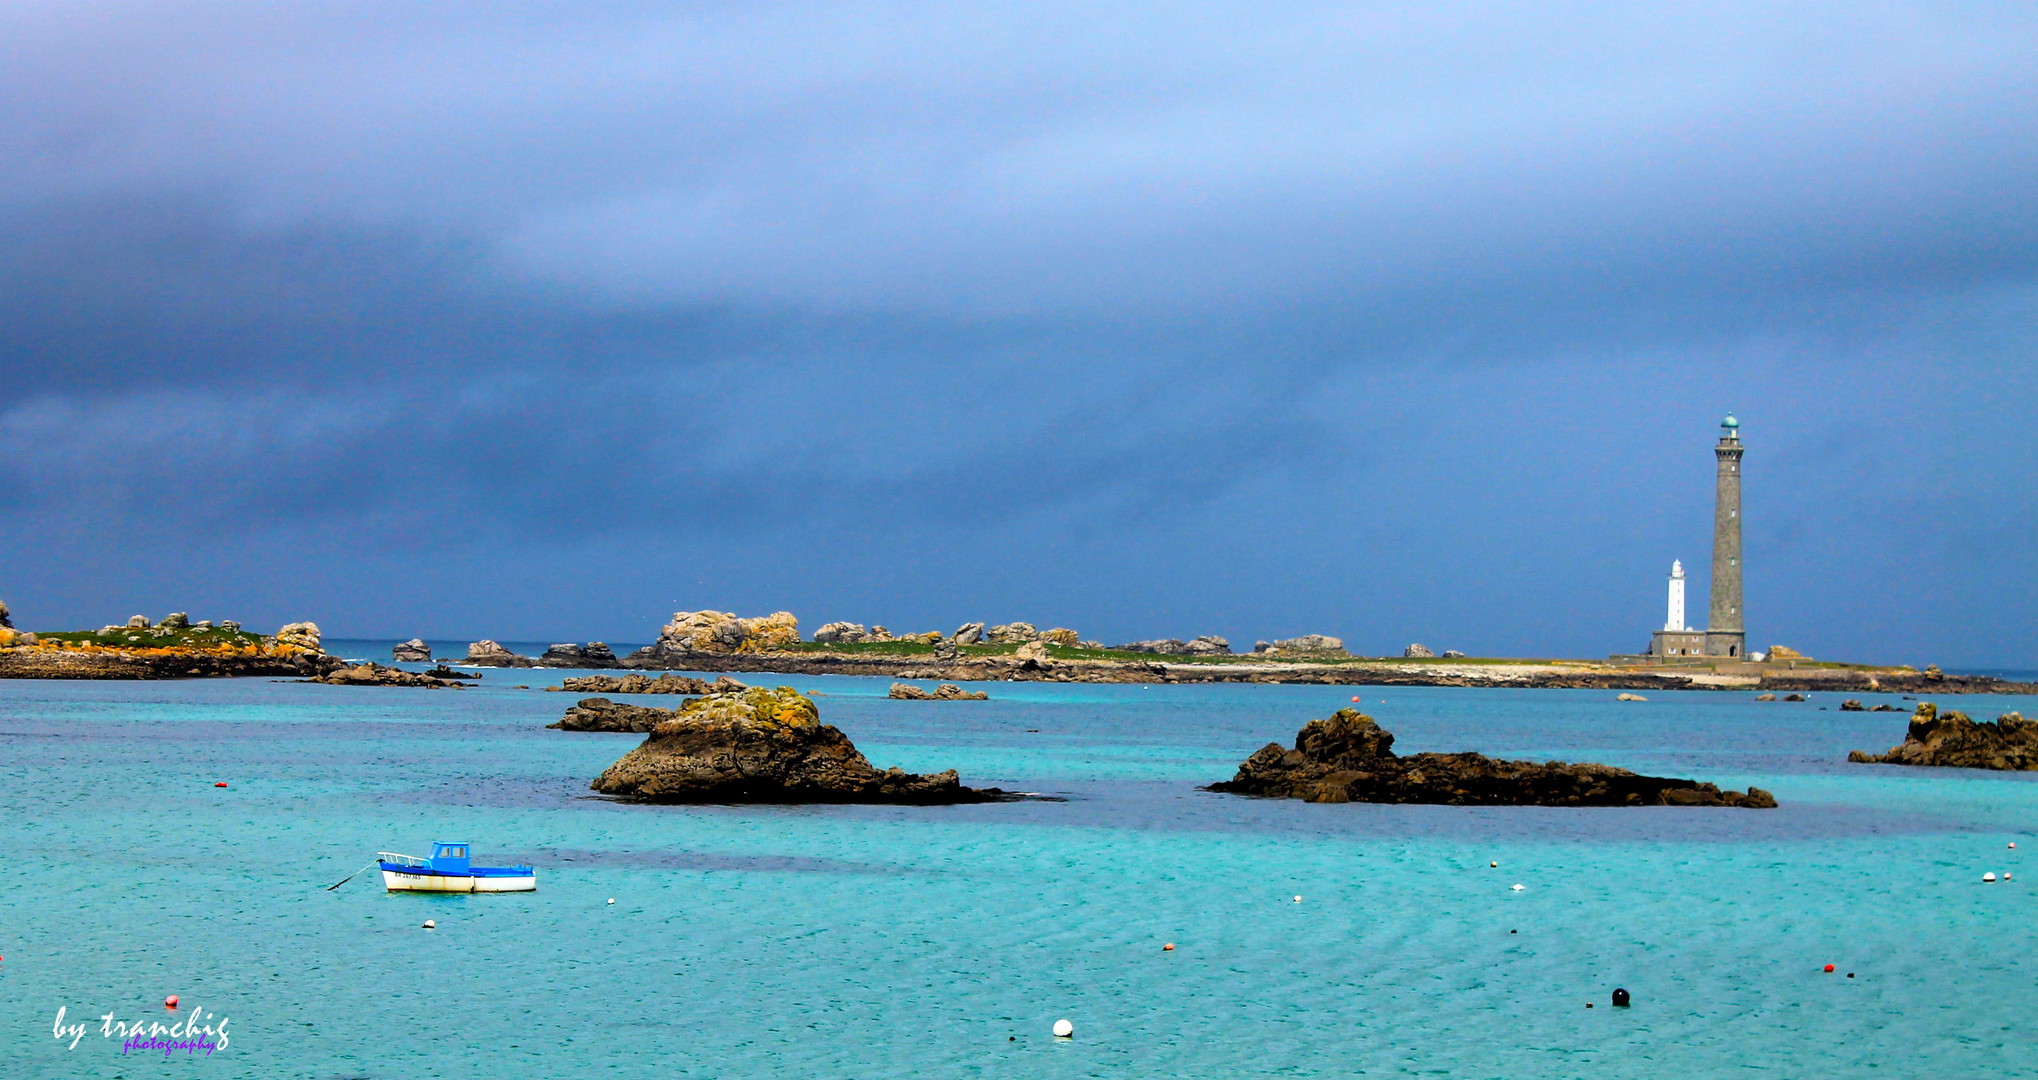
(1017, 281)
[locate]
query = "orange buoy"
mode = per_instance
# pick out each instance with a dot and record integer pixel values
(222, 783)
(1355, 701)
(1169, 947)
(170, 1002)
(1829, 969)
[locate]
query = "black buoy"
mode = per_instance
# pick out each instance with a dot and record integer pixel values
(1620, 998)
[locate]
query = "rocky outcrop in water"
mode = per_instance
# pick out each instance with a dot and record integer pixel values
(601, 714)
(486, 653)
(765, 746)
(1952, 740)
(945, 692)
(693, 634)
(640, 684)
(1418, 651)
(1350, 758)
(302, 635)
(594, 654)
(414, 651)
(373, 674)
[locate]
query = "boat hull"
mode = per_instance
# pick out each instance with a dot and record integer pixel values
(404, 881)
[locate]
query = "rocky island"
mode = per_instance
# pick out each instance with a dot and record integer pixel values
(947, 691)
(1951, 740)
(1350, 758)
(171, 648)
(763, 746)
(667, 683)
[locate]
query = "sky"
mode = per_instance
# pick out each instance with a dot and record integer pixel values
(1397, 322)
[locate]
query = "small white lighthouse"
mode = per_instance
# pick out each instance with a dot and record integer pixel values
(1676, 639)
(1675, 623)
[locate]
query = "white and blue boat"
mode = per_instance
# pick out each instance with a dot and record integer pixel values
(448, 870)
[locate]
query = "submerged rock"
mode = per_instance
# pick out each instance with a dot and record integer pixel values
(1952, 740)
(486, 653)
(945, 692)
(765, 746)
(1350, 758)
(601, 714)
(373, 674)
(414, 651)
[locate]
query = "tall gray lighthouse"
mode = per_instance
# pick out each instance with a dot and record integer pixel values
(1725, 632)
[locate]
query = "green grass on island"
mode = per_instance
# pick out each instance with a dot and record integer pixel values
(152, 638)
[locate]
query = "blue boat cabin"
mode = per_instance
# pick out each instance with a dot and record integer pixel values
(449, 858)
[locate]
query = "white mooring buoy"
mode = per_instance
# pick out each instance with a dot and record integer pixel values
(1988, 877)
(431, 924)
(1516, 887)
(1063, 1029)
(612, 899)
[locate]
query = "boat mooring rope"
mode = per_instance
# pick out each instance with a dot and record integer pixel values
(350, 877)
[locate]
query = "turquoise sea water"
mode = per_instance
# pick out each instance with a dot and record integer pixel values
(944, 942)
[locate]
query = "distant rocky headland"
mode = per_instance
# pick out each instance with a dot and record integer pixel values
(1951, 740)
(1350, 758)
(173, 647)
(759, 745)
(1018, 651)
(974, 652)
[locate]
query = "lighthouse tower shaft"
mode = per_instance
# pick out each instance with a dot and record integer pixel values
(1726, 632)
(1675, 622)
